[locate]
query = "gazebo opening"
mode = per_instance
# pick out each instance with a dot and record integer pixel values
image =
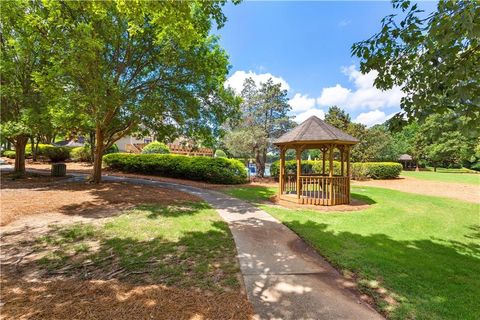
(331, 185)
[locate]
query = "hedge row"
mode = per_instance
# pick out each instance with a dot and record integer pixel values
(213, 170)
(359, 170)
(54, 153)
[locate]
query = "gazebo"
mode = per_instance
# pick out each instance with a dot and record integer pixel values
(407, 161)
(325, 188)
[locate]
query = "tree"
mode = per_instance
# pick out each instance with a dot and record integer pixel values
(338, 118)
(435, 59)
(440, 143)
(125, 63)
(264, 109)
(22, 55)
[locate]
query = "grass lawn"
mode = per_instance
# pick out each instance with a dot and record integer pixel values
(186, 245)
(418, 256)
(444, 176)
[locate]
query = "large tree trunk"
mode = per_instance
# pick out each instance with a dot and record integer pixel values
(97, 163)
(92, 145)
(20, 144)
(260, 163)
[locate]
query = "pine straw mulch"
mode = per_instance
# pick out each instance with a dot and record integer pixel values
(97, 299)
(38, 194)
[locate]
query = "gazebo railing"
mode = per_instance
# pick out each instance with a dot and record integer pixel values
(318, 189)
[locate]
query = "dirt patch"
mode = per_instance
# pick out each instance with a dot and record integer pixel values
(95, 299)
(42, 196)
(464, 192)
(354, 205)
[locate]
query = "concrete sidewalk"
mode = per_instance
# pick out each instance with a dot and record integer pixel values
(284, 277)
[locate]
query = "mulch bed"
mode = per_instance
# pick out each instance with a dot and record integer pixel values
(96, 299)
(37, 194)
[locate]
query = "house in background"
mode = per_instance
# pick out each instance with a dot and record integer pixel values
(127, 143)
(132, 144)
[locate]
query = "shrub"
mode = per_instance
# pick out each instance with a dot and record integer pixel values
(156, 147)
(81, 154)
(112, 149)
(378, 170)
(9, 154)
(55, 154)
(220, 154)
(213, 170)
(359, 171)
(475, 166)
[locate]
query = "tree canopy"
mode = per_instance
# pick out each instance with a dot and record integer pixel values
(264, 117)
(435, 58)
(117, 64)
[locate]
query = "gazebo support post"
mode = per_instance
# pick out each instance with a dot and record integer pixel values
(348, 174)
(330, 173)
(281, 177)
(324, 151)
(299, 172)
(342, 158)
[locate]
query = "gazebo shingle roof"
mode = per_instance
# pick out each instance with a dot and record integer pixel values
(405, 157)
(315, 130)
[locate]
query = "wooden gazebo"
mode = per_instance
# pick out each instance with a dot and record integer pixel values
(325, 188)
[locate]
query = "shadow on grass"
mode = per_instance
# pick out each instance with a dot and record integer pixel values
(363, 198)
(205, 260)
(432, 279)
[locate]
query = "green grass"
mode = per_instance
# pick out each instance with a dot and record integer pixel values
(186, 245)
(422, 251)
(444, 176)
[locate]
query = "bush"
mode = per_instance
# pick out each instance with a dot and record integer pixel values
(359, 171)
(112, 149)
(475, 166)
(9, 154)
(156, 147)
(55, 154)
(213, 170)
(220, 154)
(81, 154)
(376, 170)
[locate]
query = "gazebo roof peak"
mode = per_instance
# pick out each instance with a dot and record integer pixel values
(315, 130)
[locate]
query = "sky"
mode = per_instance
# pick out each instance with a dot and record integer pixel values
(306, 46)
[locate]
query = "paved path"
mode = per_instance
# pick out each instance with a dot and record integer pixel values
(284, 277)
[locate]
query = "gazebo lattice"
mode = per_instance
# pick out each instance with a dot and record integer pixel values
(316, 188)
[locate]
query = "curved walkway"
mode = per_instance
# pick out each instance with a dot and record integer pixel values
(283, 276)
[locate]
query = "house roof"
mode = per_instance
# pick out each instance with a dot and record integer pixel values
(315, 130)
(405, 157)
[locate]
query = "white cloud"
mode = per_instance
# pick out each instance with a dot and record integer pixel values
(337, 95)
(301, 103)
(363, 96)
(372, 117)
(237, 79)
(299, 118)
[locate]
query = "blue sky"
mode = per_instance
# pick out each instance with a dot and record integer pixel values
(306, 47)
